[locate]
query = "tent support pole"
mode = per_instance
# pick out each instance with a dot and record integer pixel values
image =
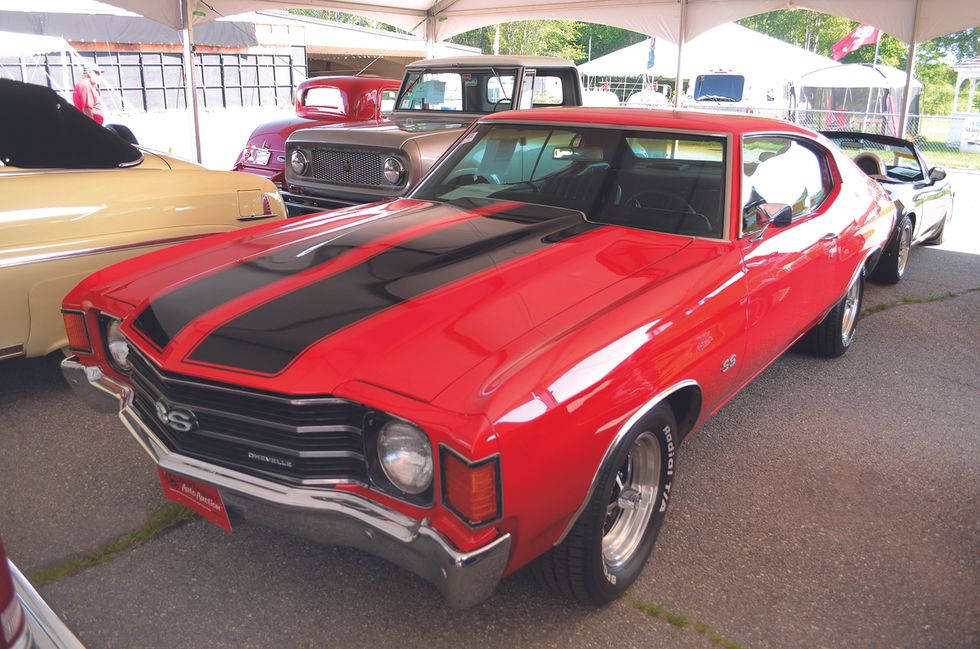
(682, 36)
(909, 69)
(430, 37)
(190, 86)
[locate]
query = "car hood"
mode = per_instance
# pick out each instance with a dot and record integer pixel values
(406, 295)
(276, 131)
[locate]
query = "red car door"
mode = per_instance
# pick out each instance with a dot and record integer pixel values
(793, 273)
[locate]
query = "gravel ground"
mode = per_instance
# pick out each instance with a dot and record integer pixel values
(830, 504)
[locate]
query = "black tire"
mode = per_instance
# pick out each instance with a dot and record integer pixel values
(830, 338)
(577, 568)
(891, 268)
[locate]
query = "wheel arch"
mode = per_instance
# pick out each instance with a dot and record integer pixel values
(683, 396)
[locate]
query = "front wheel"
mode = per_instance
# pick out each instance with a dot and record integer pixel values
(893, 264)
(609, 544)
(835, 333)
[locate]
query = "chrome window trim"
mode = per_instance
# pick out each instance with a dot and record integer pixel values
(24, 260)
(620, 434)
(820, 151)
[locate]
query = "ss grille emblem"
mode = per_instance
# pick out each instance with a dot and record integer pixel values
(346, 166)
(179, 419)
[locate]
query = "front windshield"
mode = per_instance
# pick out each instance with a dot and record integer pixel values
(471, 91)
(719, 87)
(641, 179)
(899, 160)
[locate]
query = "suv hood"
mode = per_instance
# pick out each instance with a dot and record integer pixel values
(391, 133)
(407, 295)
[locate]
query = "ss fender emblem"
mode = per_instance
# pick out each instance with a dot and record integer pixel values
(728, 363)
(179, 419)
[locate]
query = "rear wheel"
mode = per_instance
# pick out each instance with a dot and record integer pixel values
(835, 333)
(890, 269)
(609, 544)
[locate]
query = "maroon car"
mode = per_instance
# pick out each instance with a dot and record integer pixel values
(319, 101)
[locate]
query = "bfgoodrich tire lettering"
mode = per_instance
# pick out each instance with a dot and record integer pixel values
(609, 544)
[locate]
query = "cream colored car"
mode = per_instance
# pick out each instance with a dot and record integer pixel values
(76, 198)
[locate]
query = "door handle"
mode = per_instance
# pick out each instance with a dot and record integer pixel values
(830, 236)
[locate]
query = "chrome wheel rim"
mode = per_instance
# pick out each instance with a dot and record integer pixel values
(904, 248)
(852, 302)
(632, 502)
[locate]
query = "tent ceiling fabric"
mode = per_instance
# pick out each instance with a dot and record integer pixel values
(659, 18)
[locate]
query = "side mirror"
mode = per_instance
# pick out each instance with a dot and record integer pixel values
(783, 217)
(777, 214)
(936, 174)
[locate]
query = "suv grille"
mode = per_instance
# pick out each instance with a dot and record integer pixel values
(347, 167)
(292, 440)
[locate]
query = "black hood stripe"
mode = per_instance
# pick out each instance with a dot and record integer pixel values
(267, 339)
(167, 315)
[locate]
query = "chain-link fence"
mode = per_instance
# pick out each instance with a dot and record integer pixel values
(950, 141)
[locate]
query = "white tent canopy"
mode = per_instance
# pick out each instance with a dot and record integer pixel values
(908, 20)
(912, 21)
(730, 45)
(26, 45)
(857, 76)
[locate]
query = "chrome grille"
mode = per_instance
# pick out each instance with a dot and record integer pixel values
(292, 440)
(347, 167)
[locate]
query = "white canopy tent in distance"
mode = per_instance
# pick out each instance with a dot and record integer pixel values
(677, 21)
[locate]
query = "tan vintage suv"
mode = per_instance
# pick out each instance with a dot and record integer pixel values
(77, 198)
(347, 164)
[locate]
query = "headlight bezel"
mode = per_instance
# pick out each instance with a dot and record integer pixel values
(413, 441)
(379, 477)
(399, 169)
(109, 323)
(297, 155)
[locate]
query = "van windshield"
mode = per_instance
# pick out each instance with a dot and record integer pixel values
(719, 87)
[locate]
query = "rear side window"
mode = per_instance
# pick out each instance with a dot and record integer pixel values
(781, 170)
(388, 98)
(326, 97)
(548, 91)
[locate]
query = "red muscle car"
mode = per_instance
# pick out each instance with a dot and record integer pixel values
(500, 367)
(319, 101)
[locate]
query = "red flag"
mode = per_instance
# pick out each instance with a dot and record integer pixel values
(862, 35)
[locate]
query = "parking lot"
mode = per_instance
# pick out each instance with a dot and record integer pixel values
(830, 504)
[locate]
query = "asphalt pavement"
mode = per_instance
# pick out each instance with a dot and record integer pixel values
(830, 504)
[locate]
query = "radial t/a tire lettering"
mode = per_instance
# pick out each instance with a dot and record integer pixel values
(606, 549)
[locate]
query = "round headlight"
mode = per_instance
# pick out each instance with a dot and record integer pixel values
(118, 347)
(298, 162)
(394, 170)
(406, 456)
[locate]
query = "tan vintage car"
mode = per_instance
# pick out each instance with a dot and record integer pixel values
(75, 198)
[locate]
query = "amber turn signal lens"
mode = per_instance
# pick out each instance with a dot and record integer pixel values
(470, 491)
(78, 339)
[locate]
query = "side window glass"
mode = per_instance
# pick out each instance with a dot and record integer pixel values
(780, 170)
(548, 91)
(388, 98)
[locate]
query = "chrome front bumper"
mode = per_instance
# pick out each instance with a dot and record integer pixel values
(326, 516)
(45, 630)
